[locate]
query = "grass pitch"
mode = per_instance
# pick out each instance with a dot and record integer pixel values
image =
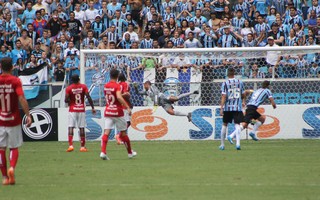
(268, 169)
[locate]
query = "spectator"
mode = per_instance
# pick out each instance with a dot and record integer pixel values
(192, 42)
(90, 13)
(18, 66)
(26, 42)
(59, 72)
(64, 32)
(98, 27)
(314, 71)
(167, 14)
(171, 25)
(79, 14)
(126, 42)
(4, 52)
(227, 39)
(38, 6)
(18, 51)
(37, 52)
(58, 53)
(14, 8)
(219, 6)
(157, 31)
(196, 30)
(32, 62)
(273, 57)
(33, 35)
(29, 15)
(244, 6)
(164, 38)
(208, 38)
(106, 15)
(177, 40)
(255, 72)
(44, 15)
(291, 39)
(39, 24)
(271, 18)
(133, 35)
(90, 37)
(119, 23)
(85, 29)
(54, 25)
(113, 6)
(147, 42)
(103, 44)
(277, 34)
(261, 30)
(294, 18)
(9, 30)
(300, 34)
(71, 50)
(198, 19)
(312, 19)
(238, 21)
(72, 65)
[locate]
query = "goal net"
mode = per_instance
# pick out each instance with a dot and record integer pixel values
(294, 72)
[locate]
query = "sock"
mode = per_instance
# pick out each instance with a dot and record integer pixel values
(178, 113)
(70, 139)
(184, 95)
(223, 134)
(14, 155)
(237, 132)
(126, 141)
(256, 126)
(3, 163)
(82, 141)
(104, 142)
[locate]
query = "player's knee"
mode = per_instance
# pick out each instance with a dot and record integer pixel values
(262, 119)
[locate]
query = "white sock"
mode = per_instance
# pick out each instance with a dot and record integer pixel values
(223, 134)
(178, 113)
(184, 95)
(238, 131)
(256, 126)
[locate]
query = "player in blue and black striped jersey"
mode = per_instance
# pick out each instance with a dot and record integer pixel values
(233, 93)
(257, 98)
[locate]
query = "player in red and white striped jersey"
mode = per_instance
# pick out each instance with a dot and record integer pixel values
(75, 96)
(114, 115)
(11, 93)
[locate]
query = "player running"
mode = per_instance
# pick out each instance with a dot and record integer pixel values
(257, 98)
(160, 99)
(125, 91)
(11, 93)
(75, 94)
(114, 115)
(233, 94)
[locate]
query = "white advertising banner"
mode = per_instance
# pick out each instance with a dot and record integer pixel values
(148, 123)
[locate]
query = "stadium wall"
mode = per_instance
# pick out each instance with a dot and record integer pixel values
(285, 122)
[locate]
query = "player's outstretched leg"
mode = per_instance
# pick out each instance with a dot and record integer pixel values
(3, 167)
(126, 141)
(187, 94)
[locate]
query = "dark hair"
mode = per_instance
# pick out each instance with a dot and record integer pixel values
(75, 78)
(6, 64)
(147, 82)
(265, 84)
(38, 11)
(114, 74)
(122, 77)
(231, 71)
(146, 31)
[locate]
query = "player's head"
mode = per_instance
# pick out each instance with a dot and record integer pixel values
(147, 85)
(75, 78)
(231, 72)
(265, 84)
(122, 77)
(6, 65)
(114, 74)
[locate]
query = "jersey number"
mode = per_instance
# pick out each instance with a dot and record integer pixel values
(110, 98)
(234, 93)
(78, 99)
(5, 102)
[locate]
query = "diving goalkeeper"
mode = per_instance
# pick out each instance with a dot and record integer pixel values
(160, 99)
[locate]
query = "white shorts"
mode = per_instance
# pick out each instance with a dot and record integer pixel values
(119, 122)
(11, 136)
(77, 119)
(127, 117)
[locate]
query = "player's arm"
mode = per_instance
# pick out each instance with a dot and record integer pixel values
(273, 103)
(222, 103)
(67, 98)
(25, 107)
(90, 102)
(122, 101)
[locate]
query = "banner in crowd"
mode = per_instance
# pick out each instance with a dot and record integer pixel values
(44, 125)
(31, 78)
(285, 122)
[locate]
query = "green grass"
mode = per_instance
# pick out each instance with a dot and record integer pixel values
(270, 169)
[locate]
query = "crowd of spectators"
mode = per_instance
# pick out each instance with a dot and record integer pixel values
(52, 32)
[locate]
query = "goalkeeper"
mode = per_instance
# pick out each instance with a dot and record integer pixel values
(160, 99)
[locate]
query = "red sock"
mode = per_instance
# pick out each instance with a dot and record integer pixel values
(3, 162)
(83, 141)
(70, 139)
(126, 141)
(14, 155)
(104, 142)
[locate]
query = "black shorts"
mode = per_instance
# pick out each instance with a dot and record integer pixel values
(236, 116)
(251, 113)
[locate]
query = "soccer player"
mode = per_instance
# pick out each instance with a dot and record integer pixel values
(11, 93)
(257, 98)
(233, 93)
(160, 99)
(75, 94)
(125, 91)
(114, 115)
